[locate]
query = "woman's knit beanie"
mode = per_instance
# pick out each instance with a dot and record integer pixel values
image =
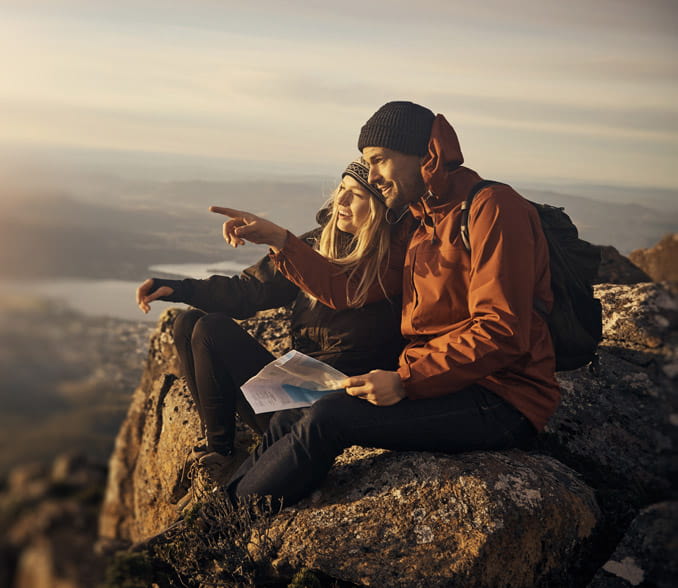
(359, 171)
(401, 126)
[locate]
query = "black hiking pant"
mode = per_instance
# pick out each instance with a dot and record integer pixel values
(299, 447)
(217, 356)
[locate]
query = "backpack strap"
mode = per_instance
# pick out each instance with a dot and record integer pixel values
(466, 207)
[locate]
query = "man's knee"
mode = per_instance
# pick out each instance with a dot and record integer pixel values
(330, 414)
(282, 422)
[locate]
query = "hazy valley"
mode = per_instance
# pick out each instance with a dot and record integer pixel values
(66, 379)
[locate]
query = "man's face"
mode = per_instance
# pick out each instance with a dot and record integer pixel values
(396, 174)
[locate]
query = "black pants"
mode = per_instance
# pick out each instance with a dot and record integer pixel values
(217, 356)
(299, 447)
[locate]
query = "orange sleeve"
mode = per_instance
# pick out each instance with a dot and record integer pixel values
(326, 280)
(504, 234)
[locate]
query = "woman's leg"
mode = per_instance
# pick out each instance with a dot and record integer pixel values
(224, 358)
(183, 331)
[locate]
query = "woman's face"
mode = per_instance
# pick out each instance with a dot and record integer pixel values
(353, 205)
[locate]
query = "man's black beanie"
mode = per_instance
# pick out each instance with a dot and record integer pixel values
(401, 126)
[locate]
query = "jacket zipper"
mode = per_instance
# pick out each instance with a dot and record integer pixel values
(415, 297)
(428, 215)
(434, 238)
(414, 288)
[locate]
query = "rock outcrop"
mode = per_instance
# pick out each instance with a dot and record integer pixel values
(48, 516)
(402, 519)
(160, 429)
(617, 425)
(660, 262)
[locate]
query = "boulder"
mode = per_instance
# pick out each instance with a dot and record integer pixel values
(158, 433)
(616, 425)
(647, 554)
(661, 261)
(417, 519)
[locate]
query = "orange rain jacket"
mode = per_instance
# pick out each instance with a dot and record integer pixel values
(468, 318)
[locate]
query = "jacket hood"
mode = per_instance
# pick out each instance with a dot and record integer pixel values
(444, 156)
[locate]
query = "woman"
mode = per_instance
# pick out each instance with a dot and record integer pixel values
(217, 356)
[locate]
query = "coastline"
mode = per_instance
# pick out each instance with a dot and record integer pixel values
(112, 298)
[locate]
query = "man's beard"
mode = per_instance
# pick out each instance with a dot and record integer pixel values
(403, 199)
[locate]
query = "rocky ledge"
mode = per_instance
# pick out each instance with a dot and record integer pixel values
(551, 517)
(660, 262)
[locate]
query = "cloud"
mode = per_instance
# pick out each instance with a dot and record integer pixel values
(271, 80)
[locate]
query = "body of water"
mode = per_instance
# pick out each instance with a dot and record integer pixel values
(198, 270)
(112, 298)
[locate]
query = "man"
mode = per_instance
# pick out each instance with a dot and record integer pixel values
(478, 370)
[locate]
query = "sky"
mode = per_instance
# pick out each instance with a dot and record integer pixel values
(577, 91)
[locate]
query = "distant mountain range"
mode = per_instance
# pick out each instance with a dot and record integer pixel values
(107, 227)
(624, 225)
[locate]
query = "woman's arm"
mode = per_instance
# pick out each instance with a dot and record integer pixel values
(259, 287)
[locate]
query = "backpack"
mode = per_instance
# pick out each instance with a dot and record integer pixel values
(576, 321)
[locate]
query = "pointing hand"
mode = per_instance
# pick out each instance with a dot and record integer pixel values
(244, 226)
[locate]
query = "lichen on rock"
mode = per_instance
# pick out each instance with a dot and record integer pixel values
(410, 519)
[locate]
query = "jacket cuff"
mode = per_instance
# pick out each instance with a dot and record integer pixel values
(177, 285)
(405, 374)
(291, 243)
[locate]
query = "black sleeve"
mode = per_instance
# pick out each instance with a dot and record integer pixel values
(259, 287)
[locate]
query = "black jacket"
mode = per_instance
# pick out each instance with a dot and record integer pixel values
(354, 340)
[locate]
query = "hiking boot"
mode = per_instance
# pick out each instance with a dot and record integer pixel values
(215, 459)
(185, 477)
(217, 466)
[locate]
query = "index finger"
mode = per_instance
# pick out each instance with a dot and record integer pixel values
(230, 212)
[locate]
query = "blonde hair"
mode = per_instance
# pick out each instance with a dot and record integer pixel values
(365, 256)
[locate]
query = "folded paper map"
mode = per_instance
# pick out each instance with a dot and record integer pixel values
(294, 380)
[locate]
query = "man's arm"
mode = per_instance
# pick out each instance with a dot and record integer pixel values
(328, 281)
(315, 274)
